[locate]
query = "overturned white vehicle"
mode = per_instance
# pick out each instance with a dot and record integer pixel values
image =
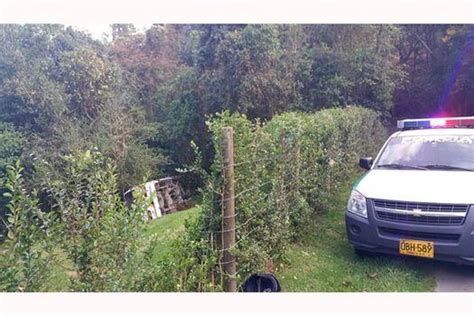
(165, 196)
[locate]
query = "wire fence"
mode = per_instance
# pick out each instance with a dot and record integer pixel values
(282, 171)
(281, 175)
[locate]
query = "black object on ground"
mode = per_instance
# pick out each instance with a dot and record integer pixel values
(261, 282)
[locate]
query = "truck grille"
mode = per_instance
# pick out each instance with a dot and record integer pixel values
(400, 233)
(421, 213)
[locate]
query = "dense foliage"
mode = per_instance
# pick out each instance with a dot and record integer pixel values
(142, 97)
(285, 172)
(88, 235)
(11, 145)
(61, 90)
(27, 252)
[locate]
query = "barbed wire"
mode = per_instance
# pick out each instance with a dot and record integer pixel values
(251, 189)
(277, 199)
(272, 158)
(239, 226)
(240, 163)
(296, 176)
(278, 186)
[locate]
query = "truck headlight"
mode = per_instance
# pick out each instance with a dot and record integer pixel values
(357, 204)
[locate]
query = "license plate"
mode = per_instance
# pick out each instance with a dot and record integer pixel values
(417, 248)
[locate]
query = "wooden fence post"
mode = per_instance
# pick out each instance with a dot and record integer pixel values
(228, 218)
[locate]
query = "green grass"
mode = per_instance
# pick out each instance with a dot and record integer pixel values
(170, 227)
(325, 262)
(59, 280)
(167, 229)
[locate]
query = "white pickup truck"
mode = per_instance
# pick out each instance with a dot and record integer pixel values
(417, 197)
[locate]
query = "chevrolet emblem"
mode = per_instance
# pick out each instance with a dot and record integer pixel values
(417, 212)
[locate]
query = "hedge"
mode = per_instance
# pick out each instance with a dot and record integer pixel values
(286, 171)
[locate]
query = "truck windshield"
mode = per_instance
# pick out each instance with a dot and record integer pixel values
(450, 152)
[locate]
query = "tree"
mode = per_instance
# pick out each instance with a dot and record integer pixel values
(247, 70)
(352, 64)
(60, 89)
(30, 96)
(439, 65)
(144, 97)
(88, 81)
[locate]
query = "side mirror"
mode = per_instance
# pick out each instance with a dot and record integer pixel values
(366, 162)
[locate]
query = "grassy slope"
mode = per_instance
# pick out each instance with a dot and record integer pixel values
(170, 227)
(166, 228)
(324, 261)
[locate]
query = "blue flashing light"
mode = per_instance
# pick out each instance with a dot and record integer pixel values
(436, 122)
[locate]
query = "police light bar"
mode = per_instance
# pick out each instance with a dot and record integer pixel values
(467, 121)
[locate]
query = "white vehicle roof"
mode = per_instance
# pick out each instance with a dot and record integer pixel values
(433, 186)
(436, 132)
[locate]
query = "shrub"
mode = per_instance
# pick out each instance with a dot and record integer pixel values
(101, 237)
(86, 233)
(286, 170)
(11, 142)
(27, 253)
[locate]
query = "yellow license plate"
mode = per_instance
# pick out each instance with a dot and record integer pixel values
(417, 248)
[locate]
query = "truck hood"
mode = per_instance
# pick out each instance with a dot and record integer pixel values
(451, 187)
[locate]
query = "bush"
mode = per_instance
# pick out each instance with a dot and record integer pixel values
(25, 264)
(101, 237)
(87, 233)
(11, 142)
(285, 172)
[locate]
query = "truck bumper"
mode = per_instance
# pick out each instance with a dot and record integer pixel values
(452, 243)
